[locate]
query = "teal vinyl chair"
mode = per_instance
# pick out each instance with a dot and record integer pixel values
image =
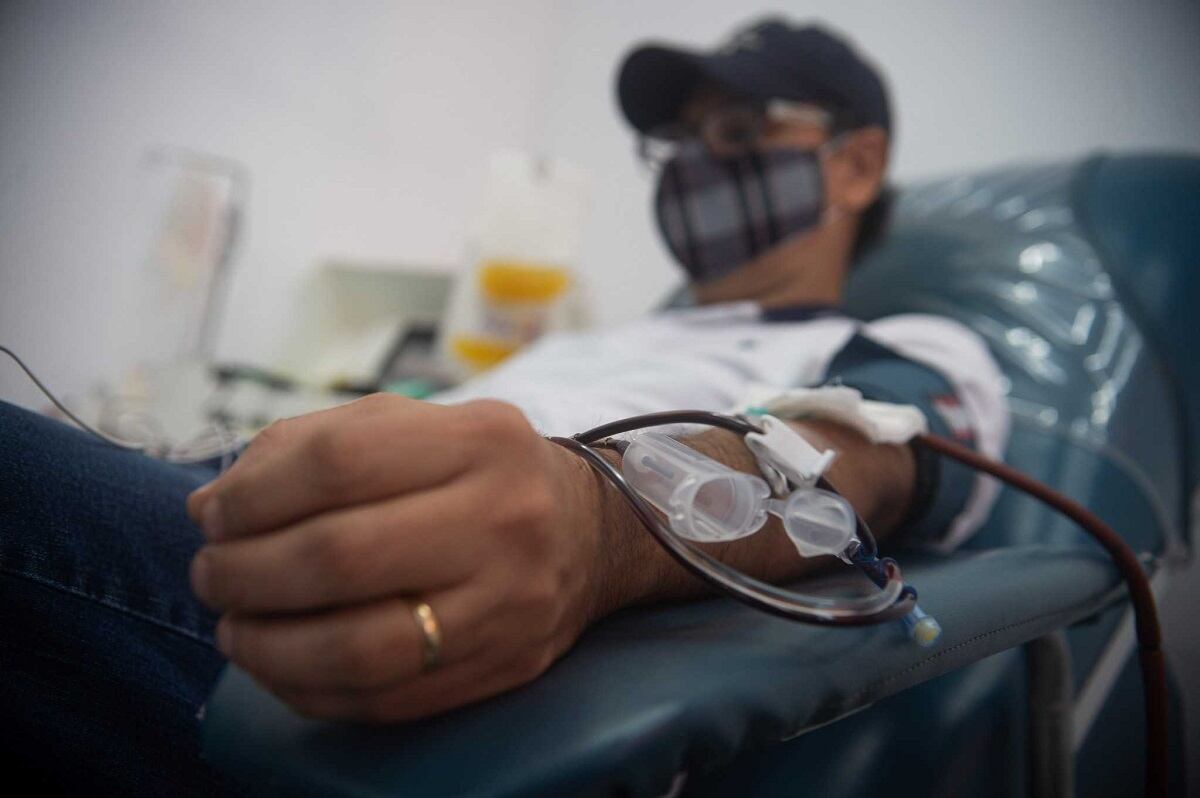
(1082, 276)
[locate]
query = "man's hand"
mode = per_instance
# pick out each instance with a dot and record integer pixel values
(332, 526)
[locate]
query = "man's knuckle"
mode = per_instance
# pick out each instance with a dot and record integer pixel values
(236, 502)
(497, 421)
(225, 589)
(333, 553)
(541, 502)
(550, 595)
(234, 647)
(527, 508)
(533, 664)
(269, 437)
(277, 432)
(335, 453)
(379, 402)
(539, 602)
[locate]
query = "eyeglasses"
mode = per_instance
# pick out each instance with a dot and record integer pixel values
(731, 129)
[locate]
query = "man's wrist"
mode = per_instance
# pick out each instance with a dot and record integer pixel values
(625, 565)
(632, 568)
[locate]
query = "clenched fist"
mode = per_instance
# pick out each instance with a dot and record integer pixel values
(333, 526)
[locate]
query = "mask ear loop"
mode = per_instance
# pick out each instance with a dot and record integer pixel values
(831, 213)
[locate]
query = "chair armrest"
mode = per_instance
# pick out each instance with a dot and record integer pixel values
(650, 692)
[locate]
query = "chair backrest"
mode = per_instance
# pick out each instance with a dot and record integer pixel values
(1077, 275)
(1142, 213)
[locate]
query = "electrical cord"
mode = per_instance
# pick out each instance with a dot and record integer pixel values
(127, 445)
(223, 443)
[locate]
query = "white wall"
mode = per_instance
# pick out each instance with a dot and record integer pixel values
(365, 126)
(973, 83)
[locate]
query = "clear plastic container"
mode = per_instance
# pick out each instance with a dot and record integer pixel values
(515, 302)
(522, 282)
(703, 500)
(706, 501)
(817, 521)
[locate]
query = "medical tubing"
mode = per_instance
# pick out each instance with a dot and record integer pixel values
(708, 418)
(868, 547)
(892, 602)
(1149, 634)
(703, 499)
(705, 417)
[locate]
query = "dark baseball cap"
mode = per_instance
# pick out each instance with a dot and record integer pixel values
(769, 60)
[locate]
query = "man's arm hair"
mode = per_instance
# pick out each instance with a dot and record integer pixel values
(878, 481)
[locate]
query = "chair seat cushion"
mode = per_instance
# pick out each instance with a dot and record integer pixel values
(652, 692)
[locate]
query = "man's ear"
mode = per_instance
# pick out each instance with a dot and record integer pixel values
(857, 169)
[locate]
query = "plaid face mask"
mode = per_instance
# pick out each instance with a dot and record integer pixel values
(716, 214)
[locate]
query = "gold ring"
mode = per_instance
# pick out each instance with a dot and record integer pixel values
(431, 634)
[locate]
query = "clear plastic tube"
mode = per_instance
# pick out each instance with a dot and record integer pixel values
(817, 521)
(704, 500)
(892, 601)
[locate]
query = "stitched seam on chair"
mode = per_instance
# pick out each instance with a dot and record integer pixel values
(1112, 595)
(970, 641)
(112, 605)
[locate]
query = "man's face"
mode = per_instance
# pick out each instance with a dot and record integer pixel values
(852, 172)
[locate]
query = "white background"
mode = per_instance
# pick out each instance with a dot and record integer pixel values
(366, 126)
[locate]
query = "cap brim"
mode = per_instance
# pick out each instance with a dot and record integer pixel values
(655, 81)
(653, 84)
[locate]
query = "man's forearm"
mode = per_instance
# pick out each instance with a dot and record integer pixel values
(877, 480)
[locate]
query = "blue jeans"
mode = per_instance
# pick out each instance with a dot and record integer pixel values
(105, 657)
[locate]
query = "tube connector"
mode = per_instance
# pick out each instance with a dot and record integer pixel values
(922, 627)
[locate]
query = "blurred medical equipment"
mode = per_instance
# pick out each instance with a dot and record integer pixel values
(193, 204)
(368, 325)
(414, 367)
(522, 284)
(360, 328)
(197, 202)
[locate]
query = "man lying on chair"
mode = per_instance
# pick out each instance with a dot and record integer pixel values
(342, 542)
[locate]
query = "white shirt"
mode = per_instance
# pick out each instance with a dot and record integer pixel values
(706, 357)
